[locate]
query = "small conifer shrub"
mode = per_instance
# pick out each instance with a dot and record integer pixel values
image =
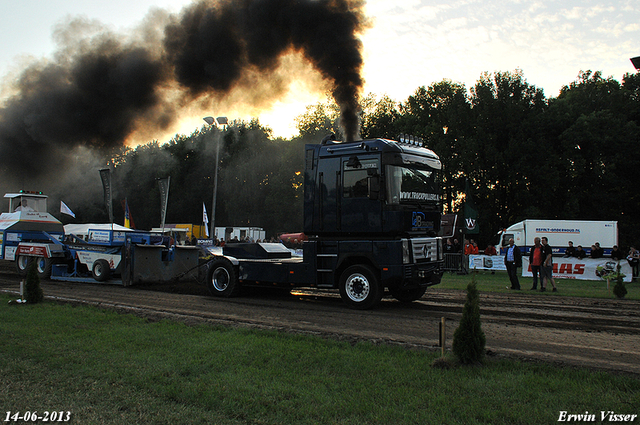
(32, 291)
(469, 339)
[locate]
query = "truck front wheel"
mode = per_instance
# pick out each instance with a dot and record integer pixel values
(360, 287)
(222, 279)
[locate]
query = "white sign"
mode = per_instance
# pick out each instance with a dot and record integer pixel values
(486, 262)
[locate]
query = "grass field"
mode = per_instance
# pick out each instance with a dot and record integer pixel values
(108, 368)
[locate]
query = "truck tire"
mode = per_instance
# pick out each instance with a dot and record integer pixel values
(43, 266)
(408, 295)
(222, 279)
(360, 287)
(22, 264)
(101, 270)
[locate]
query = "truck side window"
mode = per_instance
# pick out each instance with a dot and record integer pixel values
(355, 182)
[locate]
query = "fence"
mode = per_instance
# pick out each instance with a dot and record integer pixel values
(453, 262)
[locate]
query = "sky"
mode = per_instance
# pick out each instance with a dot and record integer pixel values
(409, 43)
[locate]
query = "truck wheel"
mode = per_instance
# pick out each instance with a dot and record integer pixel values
(222, 279)
(43, 266)
(408, 295)
(22, 264)
(101, 270)
(360, 287)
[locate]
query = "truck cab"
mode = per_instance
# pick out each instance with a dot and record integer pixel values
(371, 215)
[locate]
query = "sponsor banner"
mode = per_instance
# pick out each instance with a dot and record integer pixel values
(486, 262)
(34, 250)
(585, 269)
(10, 253)
(100, 236)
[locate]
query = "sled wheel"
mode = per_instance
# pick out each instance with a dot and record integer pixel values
(222, 279)
(22, 264)
(101, 270)
(43, 266)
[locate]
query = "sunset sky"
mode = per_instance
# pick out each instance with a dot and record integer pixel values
(409, 44)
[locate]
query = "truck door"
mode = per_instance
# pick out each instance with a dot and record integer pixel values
(328, 181)
(361, 210)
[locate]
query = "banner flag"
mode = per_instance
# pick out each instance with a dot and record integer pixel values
(164, 198)
(470, 212)
(105, 175)
(127, 214)
(205, 219)
(64, 209)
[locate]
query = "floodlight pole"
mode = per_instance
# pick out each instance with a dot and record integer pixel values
(211, 121)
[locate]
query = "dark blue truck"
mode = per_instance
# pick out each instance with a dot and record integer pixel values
(372, 211)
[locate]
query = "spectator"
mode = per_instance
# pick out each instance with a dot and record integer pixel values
(547, 266)
(449, 248)
(580, 253)
(570, 251)
(471, 248)
(596, 251)
(536, 257)
(616, 254)
(490, 250)
(634, 261)
(513, 260)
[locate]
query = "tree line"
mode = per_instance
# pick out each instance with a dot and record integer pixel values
(575, 156)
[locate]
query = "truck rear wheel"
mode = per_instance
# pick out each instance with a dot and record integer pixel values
(360, 287)
(222, 279)
(408, 295)
(22, 264)
(43, 266)
(101, 270)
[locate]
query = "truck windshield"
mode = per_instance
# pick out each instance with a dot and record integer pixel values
(412, 185)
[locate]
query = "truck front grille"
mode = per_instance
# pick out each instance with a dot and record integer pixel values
(424, 249)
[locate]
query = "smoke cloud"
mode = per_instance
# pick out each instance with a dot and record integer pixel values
(102, 87)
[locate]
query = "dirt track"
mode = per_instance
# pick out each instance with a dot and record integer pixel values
(594, 333)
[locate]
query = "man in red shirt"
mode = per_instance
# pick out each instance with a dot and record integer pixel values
(536, 259)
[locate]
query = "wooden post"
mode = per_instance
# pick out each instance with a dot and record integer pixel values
(443, 336)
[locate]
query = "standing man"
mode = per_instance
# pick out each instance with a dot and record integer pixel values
(536, 258)
(547, 266)
(513, 260)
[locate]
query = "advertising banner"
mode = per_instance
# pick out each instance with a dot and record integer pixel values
(585, 269)
(486, 262)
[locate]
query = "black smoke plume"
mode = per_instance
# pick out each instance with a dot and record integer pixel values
(98, 90)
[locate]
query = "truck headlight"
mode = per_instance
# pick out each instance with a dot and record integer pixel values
(406, 251)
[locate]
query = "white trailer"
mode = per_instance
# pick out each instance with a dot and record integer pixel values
(560, 232)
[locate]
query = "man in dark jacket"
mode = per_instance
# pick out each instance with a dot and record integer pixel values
(513, 260)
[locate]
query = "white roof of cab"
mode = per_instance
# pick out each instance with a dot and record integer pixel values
(33, 195)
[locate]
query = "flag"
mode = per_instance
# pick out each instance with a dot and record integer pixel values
(470, 212)
(205, 219)
(105, 174)
(164, 198)
(127, 214)
(64, 209)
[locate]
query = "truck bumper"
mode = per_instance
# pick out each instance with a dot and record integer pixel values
(413, 275)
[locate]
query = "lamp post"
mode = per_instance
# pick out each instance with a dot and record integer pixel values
(211, 121)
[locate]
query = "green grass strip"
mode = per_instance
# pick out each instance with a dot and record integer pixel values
(110, 368)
